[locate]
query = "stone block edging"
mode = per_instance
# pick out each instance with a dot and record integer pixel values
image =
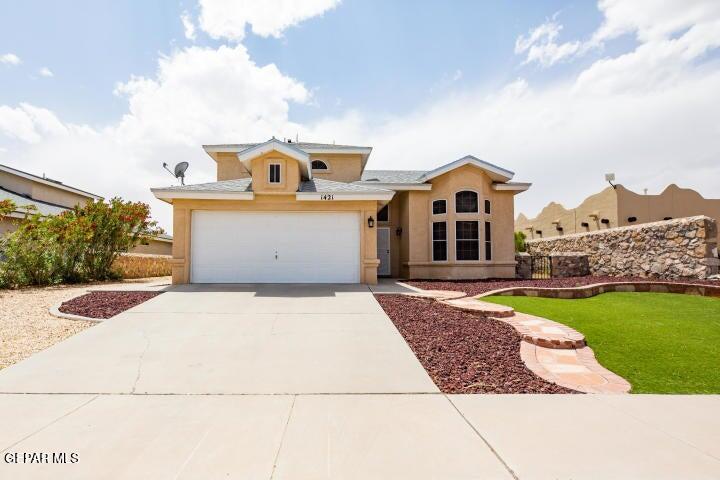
(586, 291)
(577, 369)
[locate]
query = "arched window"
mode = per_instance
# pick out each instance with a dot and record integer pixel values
(319, 165)
(466, 202)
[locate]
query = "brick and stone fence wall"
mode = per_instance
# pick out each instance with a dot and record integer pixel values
(137, 265)
(678, 248)
(565, 264)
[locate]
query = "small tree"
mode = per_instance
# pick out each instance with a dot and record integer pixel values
(6, 207)
(113, 228)
(520, 242)
(77, 245)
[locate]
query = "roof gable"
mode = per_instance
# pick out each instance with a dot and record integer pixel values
(496, 173)
(286, 149)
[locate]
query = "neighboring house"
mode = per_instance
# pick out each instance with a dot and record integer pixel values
(157, 245)
(310, 212)
(50, 197)
(617, 207)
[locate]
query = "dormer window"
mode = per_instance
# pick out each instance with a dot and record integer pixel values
(319, 165)
(274, 173)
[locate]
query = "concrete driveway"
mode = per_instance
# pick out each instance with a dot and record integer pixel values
(311, 382)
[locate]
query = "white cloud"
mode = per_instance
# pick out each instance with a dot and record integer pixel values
(649, 115)
(188, 26)
(541, 46)
(10, 59)
(267, 18)
(46, 72)
(198, 95)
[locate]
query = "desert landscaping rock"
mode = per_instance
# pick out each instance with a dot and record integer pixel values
(105, 304)
(464, 352)
(26, 326)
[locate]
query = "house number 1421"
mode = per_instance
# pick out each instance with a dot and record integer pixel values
(326, 197)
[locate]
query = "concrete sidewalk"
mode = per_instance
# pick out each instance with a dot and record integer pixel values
(362, 436)
(311, 382)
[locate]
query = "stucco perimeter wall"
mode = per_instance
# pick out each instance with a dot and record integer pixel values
(592, 210)
(679, 248)
(417, 249)
(182, 226)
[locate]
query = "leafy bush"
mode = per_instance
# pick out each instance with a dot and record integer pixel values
(76, 246)
(520, 242)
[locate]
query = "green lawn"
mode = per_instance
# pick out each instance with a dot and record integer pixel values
(659, 342)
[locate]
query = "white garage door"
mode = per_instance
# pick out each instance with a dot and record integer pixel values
(240, 247)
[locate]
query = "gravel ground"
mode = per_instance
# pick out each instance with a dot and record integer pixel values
(476, 287)
(464, 352)
(26, 326)
(105, 304)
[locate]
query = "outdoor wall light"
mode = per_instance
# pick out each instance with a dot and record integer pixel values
(371, 222)
(398, 231)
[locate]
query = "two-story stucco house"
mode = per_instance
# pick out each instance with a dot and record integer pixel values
(311, 213)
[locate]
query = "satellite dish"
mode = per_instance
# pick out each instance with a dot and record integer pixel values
(178, 171)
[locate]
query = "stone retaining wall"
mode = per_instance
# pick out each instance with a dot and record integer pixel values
(136, 265)
(570, 264)
(679, 248)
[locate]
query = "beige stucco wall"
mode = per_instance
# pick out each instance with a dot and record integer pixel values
(591, 211)
(228, 166)
(40, 191)
(154, 247)
(415, 246)
(341, 168)
(618, 205)
(182, 218)
(673, 202)
(289, 174)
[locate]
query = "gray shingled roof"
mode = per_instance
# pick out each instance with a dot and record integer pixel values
(320, 185)
(300, 145)
(237, 185)
(43, 208)
(392, 176)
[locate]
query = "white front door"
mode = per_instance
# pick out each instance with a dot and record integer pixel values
(383, 250)
(275, 247)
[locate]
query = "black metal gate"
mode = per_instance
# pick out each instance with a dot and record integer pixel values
(541, 267)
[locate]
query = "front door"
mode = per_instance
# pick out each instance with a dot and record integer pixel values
(383, 250)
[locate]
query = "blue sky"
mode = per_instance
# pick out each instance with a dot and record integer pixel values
(375, 55)
(560, 92)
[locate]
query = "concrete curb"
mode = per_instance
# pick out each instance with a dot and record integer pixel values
(55, 312)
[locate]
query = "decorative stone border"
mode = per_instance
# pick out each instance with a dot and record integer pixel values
(471, 304)
(55, 312)
(586, 291)
(545, 333)
(576, 369)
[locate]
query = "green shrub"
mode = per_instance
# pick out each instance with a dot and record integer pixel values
(520, 242)
(76, 246)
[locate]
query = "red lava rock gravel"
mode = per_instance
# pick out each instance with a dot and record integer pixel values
(476, 287)
(105, 304)
(464, 352)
